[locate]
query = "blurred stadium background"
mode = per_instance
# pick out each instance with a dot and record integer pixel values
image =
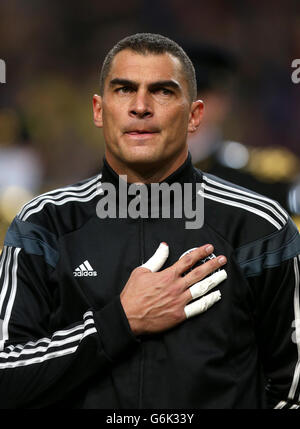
(53, 53)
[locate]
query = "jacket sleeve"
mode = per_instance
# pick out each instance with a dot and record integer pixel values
(272, 266)
(37, 366)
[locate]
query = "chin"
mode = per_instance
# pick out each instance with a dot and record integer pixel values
(142, 156)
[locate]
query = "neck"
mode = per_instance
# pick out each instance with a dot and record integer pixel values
(147, 172)
(185, 173)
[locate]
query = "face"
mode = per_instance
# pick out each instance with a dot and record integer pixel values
(146, 112)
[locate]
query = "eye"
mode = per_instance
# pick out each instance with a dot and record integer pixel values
(164, 91)
(124, 90)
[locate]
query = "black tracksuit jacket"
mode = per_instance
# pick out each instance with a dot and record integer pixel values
(65, 340)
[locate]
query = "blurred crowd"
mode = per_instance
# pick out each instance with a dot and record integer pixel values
(243, 51)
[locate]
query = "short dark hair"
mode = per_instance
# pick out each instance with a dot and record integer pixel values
(148, 43)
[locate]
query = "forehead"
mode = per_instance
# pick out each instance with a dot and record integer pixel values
(147, 68)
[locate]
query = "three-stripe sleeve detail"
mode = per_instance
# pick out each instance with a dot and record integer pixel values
(8, 292)
(82, 193)
(237, 197)
(293, 401)
(62, 343)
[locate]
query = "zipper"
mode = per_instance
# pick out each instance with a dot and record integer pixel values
(142, 255)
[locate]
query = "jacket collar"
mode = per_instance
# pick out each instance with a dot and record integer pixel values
(186, 173)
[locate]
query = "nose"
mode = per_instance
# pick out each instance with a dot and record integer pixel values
(141, 106)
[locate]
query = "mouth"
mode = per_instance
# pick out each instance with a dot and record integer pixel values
(141, 134)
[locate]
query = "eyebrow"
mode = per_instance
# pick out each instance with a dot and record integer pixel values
(118, 81)
(158, 84)
(165, 83)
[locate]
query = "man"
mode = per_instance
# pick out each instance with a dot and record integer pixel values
(93, 316)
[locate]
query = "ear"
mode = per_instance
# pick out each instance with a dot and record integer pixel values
(196, 115)
(97, 109)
